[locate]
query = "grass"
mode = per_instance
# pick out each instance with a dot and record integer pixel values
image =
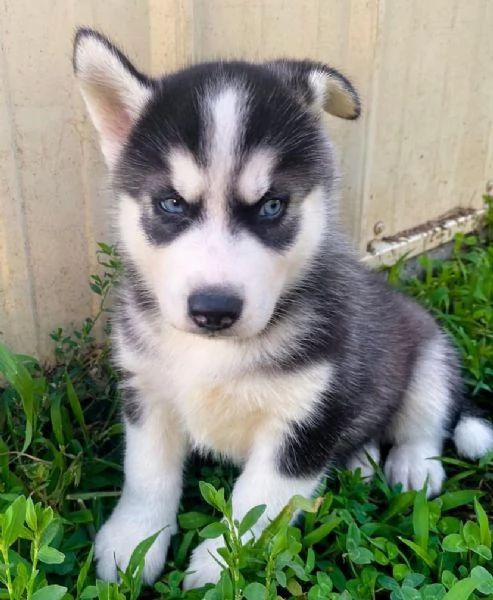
(60, 475)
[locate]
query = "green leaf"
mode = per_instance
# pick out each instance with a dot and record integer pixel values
(421, 520)
(388, 583)
(73, 400)
(183, 548)
(51, 527)
(212, 496)
(360, 555)
(471, 534)
(50, 556)
(454, 543)
(484, 525)
(452, 500)
(423, 554)
(18, 376)
(56, 418)
(194, 520)
(413, 580)
(104, 590)
(225, 586)
(484, 580)
(295, 588)
(309, 505)
(409, 593)
(482, 551)
(13, 521)
(325, 582)
(353, 538)
(213, 530)
(398, 505)
(89, 593)
(282, 519)
(82, 576)
(251, 518)
(461, 590)
(255, 591)
(433, 591)
(51, 592)
(138, 555)
(31, 518)
(448, 579)
(320, 533)
(400, 570)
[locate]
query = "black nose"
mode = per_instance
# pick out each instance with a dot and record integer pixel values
(214, 309)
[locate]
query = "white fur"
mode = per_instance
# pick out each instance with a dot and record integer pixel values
(222, 398)
(331, 94)
(150, 496)
(318, 82)
(362, 459)
(224, 404)
(259, 483)
(412, 466)
(419, 428)
(473, 437)
(210, 255)
(255, 177)
(225, 129)
(187, 177)
(113, 96)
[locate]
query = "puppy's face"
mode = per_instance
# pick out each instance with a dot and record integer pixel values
(223, 174)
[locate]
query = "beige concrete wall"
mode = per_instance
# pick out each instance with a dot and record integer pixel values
(424, 145)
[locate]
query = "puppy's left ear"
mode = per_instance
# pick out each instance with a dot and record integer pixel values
(319, 86)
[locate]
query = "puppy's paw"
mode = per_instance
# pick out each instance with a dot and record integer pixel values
(363, 458)
(411, 465)
(119, 537)
(204, 567)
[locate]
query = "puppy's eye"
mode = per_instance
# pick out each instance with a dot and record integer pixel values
(174, 205)
(272, 208)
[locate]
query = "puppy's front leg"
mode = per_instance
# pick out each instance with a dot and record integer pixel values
(154, 458)
(261, 482)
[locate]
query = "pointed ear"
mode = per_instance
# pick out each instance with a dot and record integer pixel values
(319, 86)
(115, 93)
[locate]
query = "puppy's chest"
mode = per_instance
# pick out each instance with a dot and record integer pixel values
(224, 410)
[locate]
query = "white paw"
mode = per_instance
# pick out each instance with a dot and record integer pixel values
(361, 460)
(203, 567)
(119, 537)
(411, 466)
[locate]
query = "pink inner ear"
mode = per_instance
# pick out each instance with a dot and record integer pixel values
(116, 122)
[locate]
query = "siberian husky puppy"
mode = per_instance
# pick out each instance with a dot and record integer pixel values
(245, 326)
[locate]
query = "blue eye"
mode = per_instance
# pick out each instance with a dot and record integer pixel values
(173, 205)
(271, 208)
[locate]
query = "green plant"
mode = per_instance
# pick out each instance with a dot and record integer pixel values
(60, 474)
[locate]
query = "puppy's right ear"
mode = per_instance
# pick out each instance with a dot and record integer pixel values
(114, 91)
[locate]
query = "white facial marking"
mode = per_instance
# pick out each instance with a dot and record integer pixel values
(226, 111)
(255, 177)
(187, 177)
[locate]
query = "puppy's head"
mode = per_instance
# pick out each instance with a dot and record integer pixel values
(223, 173)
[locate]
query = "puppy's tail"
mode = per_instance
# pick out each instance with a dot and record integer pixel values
(473, 436)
